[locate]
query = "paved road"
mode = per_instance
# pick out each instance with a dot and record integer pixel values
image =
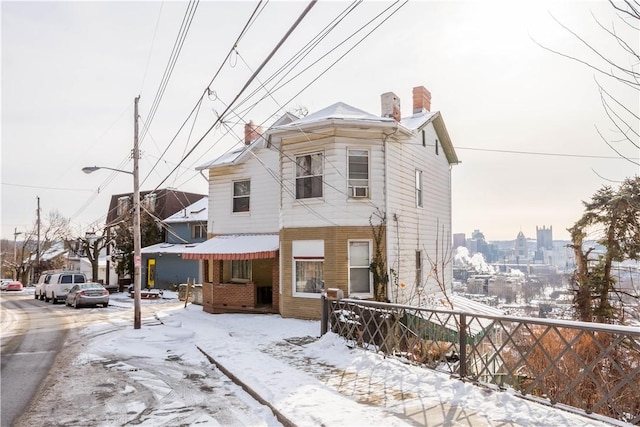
(32, 336)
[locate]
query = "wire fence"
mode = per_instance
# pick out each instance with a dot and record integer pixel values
(589, 368)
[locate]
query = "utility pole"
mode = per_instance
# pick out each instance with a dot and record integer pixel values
(137, 258)
(37, 272)
(15, 255)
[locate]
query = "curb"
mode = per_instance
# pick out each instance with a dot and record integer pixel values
(279, 416)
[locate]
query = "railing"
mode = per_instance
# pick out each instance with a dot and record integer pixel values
(589, 368)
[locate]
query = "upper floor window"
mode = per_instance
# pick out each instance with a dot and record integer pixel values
(358, 173)
(418, 188)
(360, 282)
(309, 176)
(123, 205)
(437, 149)
(199, 231)
(241, 195)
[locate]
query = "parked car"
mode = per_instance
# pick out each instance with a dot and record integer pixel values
(14, 285)
(59, 285)
(4, 283)
(40, 286)
(85, 294)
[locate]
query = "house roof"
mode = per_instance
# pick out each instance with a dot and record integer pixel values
(240, 152)
(167, 248)
(235, 247)
(346, 113)
(339, 111)
(195, 212)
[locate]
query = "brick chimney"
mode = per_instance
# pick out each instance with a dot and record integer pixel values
(251, 132)
(390, 106)
(421, 100)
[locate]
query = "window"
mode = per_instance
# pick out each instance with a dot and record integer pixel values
(199, 231)
(437, 153)
(418, 188)
(241, 271)
(308, 267)
(241, 194)
(358, 173)
(309, 176)
(359, 274)
(123, 205)
(424, 138)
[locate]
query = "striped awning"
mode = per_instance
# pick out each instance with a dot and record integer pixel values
(236, 247)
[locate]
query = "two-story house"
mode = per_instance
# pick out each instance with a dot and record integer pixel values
(163, 261)
(342, 189)
(160, 203)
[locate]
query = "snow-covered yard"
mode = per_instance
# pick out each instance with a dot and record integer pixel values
(113, 375)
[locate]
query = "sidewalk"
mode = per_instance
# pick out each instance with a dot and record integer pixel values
(345, 392)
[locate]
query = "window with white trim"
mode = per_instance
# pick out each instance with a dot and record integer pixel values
(360, 279)
(241, 270)
(149, 202)
(418, 267)
(308, 267)
(418, 188)
(309, 174)
(199, 230)
(241, 195)
(358, 173)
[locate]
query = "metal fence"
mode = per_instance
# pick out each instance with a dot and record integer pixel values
(589, 368)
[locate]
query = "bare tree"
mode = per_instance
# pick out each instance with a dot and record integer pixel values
(441, 261)
(616, 75)
(378, 266)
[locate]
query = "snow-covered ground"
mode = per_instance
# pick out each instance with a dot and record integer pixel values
(113, 375)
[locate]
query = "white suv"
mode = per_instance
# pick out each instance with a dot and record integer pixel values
(59, 285)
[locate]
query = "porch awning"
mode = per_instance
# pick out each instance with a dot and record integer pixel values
(236, 247)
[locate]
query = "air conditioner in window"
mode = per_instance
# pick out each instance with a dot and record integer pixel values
(356, 191)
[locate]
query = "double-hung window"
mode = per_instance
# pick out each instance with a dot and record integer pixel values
(308, 267)
(123, 205)
(358, 173)
(360, 280)
(418, 188)
(241, 195)
(309, 176)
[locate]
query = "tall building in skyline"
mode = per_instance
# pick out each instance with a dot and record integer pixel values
(544, 237)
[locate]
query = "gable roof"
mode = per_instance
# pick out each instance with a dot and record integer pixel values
(195, 212)
(419, 120)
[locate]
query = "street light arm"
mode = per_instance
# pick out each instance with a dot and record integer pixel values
(90, 169)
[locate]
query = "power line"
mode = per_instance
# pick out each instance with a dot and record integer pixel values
(264, 62)
(46, 188)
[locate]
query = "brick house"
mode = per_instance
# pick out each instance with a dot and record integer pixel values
(312, 201)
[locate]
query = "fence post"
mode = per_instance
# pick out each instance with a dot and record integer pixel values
(324, 320)
(463, 345)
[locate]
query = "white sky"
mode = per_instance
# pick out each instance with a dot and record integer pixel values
(151, 376)
(71, 70)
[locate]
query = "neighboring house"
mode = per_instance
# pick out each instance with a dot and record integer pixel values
(163, 262)
(323, 185)
(162, 203)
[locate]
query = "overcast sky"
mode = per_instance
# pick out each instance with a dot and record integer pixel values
(71, 71)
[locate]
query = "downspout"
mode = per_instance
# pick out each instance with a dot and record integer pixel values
(386, 208)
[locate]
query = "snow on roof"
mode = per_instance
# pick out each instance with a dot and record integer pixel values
(167, 248)
(197, 211)
(235, 247)
(417, 120)
(226, 159)
(339, 111)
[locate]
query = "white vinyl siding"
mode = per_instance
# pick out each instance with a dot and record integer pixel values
(418, 228)
(265, 190)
